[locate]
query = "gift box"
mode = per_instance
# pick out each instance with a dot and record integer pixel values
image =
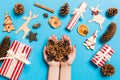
(14, 61)
(103, 55)
(76, 15)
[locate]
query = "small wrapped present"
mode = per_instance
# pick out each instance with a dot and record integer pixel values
(14, 61)
(76, 15)
(103, 55)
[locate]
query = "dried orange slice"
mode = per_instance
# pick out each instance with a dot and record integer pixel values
(54, 22)
(83, 30)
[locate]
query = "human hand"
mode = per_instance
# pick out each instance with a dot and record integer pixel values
(51, 63)
(71, 55)
(53, 73)
(65, 72)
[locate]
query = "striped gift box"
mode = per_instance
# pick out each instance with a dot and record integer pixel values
(11, 68)
(76, 16)
(103, 55)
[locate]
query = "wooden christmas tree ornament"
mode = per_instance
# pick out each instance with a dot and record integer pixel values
(91, 41)
(8, 25)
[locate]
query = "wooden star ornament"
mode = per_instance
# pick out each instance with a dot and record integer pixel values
(32, 36)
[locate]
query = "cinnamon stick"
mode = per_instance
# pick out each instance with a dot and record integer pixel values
(44, 7)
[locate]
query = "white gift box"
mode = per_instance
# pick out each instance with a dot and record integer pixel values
(103, 55)
(77, 14)
(18, 55)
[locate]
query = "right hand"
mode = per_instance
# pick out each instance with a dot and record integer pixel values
(72, 54)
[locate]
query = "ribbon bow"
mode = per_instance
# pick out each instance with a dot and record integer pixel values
(76, 10)
(20, 57)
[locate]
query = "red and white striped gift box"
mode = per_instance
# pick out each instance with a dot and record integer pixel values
(12, 68)
(102, 55)
(76, 16)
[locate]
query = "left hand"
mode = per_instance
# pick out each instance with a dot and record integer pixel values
(51, 63)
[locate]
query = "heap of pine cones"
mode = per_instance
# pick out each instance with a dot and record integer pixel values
(58, 51)
(19, 8)
(112, 11)
(4, 47)
(64, 9)
(108, 70)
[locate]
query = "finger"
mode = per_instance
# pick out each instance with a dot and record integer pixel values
(72, 55)
(62, 39)
(67, 38)
(54, 38)
(44, 53)
(74, 51)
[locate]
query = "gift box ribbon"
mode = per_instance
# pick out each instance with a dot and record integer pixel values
(20, 57)
(80, 11)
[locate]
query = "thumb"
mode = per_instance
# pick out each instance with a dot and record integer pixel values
(44, 53)
(74, 51)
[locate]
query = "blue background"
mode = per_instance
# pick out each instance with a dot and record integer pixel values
(82, 69)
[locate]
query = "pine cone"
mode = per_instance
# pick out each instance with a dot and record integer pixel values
(50, 57)
(109, 33)
(58, 56)
(5, 43)
(51, 42)
(112, 11)
(66, 43)
(65, 58)
(19, 8)
(107, 70)
(3, 52)
(4, 47)
(64, 9)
